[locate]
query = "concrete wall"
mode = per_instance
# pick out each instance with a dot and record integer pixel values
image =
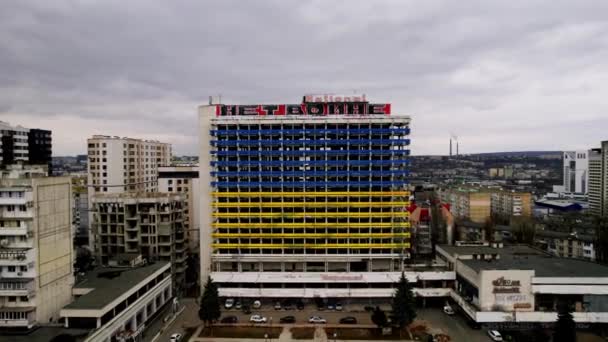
(206, 113)
(493, 297)
(53, 236)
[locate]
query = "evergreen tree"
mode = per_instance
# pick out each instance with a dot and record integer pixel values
(601, 239)
(379, 317)
(403, 305)
(209, 310)
(565, 328)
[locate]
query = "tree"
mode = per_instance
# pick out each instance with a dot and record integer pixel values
(565, 328)
(403, 305)
(601, 239)
(523, 230)
(209, 310)
(379, 317)
(489, 227)
(84, 259)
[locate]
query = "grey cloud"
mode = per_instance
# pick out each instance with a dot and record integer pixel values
(474, 67)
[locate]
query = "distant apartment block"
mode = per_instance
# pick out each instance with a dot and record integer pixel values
(118, 303)
(20, 144)
(36, 253)
(118, 165)
(479, 203)
(598, 180)
(576, 171)
(184, 179)
(80, 210)
(150, 224)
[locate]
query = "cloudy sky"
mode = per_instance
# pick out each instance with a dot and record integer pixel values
(508, 75)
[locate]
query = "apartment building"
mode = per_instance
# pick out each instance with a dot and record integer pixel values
(36, 253)
(80, 211)
(467, 203)
(118, 165)
(20, 144)
(304, 200)
(576, 171)
(598, 180)
(150, 224)
(184, 179)
(477, 204)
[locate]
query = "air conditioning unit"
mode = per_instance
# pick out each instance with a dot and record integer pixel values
(20, 273)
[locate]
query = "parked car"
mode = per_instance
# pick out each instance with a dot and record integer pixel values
(300, 305)
(246, 309)
(448, 310)
(229, 303)
(331, 306)
(175, 338)
(495, 335)
(229, 319)
(338, 306)
(277, 306)
(287, 304)
(257, 304)
(368, 308)
(348, 320)
(257, 319)
(316, 320)
(238, 305)
(288, 319)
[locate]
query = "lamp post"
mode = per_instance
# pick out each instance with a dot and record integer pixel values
(335, 336)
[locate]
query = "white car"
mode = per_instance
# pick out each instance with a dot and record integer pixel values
(257, 304)
(316, 320)
(339, 306)
(175, 338)
(257, 319)
(448, 310)
(495, 335)
(229, 303)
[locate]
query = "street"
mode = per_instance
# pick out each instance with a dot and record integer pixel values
(455, 326)
(187, 318)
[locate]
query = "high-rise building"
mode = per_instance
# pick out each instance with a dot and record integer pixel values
(598, 180)
(304, 200)
(184, 179)
(147, 224)
(118, 165)
(576, 169)
(20, 144)
(36, 253)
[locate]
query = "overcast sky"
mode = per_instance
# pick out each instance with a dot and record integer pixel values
(503, 76)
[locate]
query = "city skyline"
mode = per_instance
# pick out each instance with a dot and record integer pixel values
(500, 76)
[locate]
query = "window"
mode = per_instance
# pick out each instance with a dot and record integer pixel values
(11, 268)
(24, 299)
(23, 268)
(12, 299)
(22, 208)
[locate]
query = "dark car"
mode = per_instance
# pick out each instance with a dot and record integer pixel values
(348, 320)
(300, 305)
(288, 319)
(229, 319)
(246, 309)
(369, 308)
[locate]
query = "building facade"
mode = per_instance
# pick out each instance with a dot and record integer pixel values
(118, 165)
(303, 200)
(184, 179)
(598, 180)
(576, 171)
(20, 144)
(150, 224)
(36, 253)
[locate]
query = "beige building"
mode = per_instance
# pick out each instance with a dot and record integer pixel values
(467, 203)
(478, 203)
(36, 253)
(598, 180)
(183, 179)
(118, 165)
(150, 224)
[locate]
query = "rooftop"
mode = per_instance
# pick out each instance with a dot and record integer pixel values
(522, 257)
(110, 283)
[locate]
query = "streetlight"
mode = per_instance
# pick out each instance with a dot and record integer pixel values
(265, 337)
(335, 336)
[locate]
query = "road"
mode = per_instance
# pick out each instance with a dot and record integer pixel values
(187, 318)
(455, 326)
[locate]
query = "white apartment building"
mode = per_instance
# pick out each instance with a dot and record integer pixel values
(118, 165)
(576, 171)
(184, 179)
(36, 252)
(13, 141)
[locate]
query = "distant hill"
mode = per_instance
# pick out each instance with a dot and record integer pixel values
(519, 154)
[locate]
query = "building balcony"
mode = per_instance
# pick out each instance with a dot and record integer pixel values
(17, 323)
(10, 257)
(15, 201)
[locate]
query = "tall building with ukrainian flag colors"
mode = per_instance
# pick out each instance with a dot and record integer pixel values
(304, 200)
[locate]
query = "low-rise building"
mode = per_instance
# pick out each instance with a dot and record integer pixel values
(36, 253)
(520, 284)
(116, 303)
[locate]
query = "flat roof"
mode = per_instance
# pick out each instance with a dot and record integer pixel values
(108, 288)
(45, 334)
(522, 257)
